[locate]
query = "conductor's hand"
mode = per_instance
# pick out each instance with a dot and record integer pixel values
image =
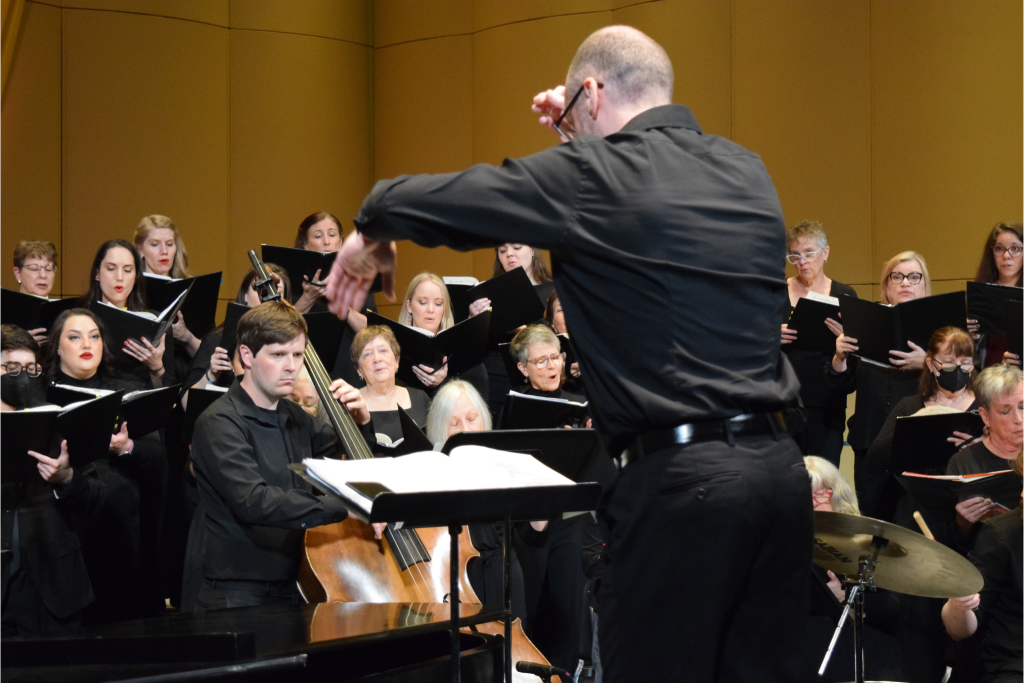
(356, 265)
(479, 306)
(349, 396)
(908, 360)
(788, 335)
(549, 104)
(834, 325)
(970, 511)
(429, 376)
(57, 472)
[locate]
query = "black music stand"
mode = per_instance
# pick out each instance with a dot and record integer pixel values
(453, 509)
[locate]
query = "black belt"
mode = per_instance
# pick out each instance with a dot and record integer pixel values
(751, 424)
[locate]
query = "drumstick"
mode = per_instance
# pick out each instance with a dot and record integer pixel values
(924, 527)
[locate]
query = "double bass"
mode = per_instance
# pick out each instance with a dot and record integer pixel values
(344, 562)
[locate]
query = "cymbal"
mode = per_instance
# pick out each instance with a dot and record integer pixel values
(910, 564)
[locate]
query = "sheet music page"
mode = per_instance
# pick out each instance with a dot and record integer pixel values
(823, 298)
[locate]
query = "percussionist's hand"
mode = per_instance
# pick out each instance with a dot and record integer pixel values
(349, 396)
(549, 104)
(356, 265)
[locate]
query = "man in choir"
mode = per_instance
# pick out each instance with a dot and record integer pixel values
(253, 508)
(668, 248)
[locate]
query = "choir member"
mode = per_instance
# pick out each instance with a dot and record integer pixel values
(826, 408)
(122, 544)
(253, 510)
(45, 581)
(304, 394)
(539, 356)
(375, 355)
(879, 389)
(35, 269)
(555, 317)
(115, 279)
(1001, 261)
(458, 407)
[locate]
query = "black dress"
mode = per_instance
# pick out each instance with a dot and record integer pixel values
(387, 421)
(826, 407)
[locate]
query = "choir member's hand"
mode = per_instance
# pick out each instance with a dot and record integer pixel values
(845, 346)
(120, 443)
(574, 369)
(428, 376)
(311, 291)
(1011, 358)
(788, 335)
(973, 327)
(378, 529)
(147, 354)
(349, 396)
(219, 362)
(834, 325)
(836, 586)
(39, 334)
(962, 440)
(908, 360)
(539, 526)
(970, 511)
(355, 267)
(55, 471)
(479, 306)
(549, 104)
(180, 331)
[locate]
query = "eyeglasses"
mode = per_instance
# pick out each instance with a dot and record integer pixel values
(14, 369)
(51, 268)
(999, 249)
(558, 123)
(809, 256)
(822, 496)
(912, 278)
(542, 362)
(948, 366)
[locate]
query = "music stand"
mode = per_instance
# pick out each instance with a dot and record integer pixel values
(453, 509)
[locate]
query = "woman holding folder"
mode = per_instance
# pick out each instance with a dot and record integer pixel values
(826, 408)
(1001, 262)
(35, 269)
(375, 355)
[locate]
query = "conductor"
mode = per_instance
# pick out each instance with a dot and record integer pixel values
(677, 236)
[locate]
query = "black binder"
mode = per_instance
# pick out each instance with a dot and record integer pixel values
(919, 441)
(514, 301)
(937, 498)
(808, 320)
(465, 345)
(325, 333)
(200, 307)
(87, 429)
(229, 337)
(413, 440)
(148, 412)
(31, 312)
(1015, 321)
(302, 262)
(459, 295)
(986, 303)
(198, 401)
(879, 329)
(523, 411)
(123, 325)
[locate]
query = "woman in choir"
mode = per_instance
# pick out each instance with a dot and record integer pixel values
(35, 269)
(458, 407)
(509, 257)
(123, 543)
(1000, 264)
(826, 408)
(879, 389)
(428, 307)
(163, 254)
(375, 355)
(115, 279)
(538, 355)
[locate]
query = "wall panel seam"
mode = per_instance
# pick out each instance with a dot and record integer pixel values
(307, 35)
(143, 14)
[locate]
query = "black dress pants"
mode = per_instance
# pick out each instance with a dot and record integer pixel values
(707, 564)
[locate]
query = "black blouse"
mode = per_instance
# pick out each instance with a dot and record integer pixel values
(387, 421)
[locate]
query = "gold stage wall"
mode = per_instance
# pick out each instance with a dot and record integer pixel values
(896, 124)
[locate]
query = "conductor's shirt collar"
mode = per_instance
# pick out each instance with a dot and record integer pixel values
(665, 116)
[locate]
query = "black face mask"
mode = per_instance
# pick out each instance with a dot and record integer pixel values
(21, 391)
(953, 381)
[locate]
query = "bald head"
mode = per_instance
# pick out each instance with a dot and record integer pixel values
(634, 69)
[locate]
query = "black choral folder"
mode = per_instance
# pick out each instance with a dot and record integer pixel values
(937, 498)
(1015, 321)
(523, 411)
(325, 334)
(229, 336)
(200, 307)
(465, 345)
(458, 291)
(86, 427)
(986, 304)
(198, 401)
(413, 440)
(31, 312)
(808, 320)
(879, 328)
(919, 441)
(299, 263)
(123, 325)
(514, 301)
(146, 410)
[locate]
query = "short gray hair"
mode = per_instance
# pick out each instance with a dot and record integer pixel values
(631, 65)
(444, 403)
(812, 229)
(995, 382)
(527, 337)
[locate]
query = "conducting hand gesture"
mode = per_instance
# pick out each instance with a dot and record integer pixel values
(355, 267)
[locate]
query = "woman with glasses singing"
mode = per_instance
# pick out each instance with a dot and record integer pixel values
(538, 355)
(35, 269)
(826, 408)
(879, 389)
(1001, 262)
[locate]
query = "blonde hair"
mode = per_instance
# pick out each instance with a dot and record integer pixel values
(405, 317)
(825, 475)
(527, 337)
(444, 403)
(899, 258)
(147, 225)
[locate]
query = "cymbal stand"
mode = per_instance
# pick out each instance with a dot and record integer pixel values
(855, 598)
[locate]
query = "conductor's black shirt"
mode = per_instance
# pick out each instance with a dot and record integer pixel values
(256, 508)
(668, 248)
